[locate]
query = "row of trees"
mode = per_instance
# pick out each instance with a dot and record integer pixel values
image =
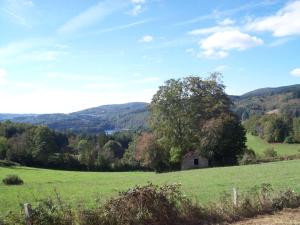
(275, 128)
(41, 146)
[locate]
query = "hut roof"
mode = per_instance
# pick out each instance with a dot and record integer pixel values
(191, 154)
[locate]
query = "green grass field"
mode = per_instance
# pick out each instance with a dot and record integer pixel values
(203, 185)
(259, 145)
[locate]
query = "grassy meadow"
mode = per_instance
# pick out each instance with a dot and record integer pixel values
(259, 145)
(203, 185)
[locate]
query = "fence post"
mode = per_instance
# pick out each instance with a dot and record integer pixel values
(235, 197)
(28, 212)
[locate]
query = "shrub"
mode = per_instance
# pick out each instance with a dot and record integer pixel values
(12, 180)
(12, 218)
(149, 204)
(270, 152)
(8, 163)
(286, 199)
(289, 140)
(249, 157)
(52, 212)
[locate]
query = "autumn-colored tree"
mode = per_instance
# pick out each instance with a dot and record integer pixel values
(150, 153)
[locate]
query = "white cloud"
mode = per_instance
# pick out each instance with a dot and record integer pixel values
(223, 25)
(138, 7)
(219, 44)
(230, 40)
(210, 30)
(92, 15)
(146, 39)
(285, 22)
(213, 54)
(227, 22)
(296, 72)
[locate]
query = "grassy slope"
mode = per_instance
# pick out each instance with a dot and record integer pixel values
(259, 145)
(84, 187)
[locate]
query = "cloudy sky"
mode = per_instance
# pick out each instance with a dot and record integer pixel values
(67, 55)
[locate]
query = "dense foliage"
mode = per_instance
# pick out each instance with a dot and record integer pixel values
(275, 128)
(40, 146)
(281, 100)
(194, 114)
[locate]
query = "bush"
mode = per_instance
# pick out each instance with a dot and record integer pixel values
(270, 152)
(52, 212)
(289, 140)
(8, 163)
(12, 180)
(249, 157)
(149, 204)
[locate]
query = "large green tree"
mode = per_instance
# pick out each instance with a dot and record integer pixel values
(43, 144)
(180, 110)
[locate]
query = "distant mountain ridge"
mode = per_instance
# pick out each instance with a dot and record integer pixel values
(285, 99)
(270, 91)
(134, 115)
(106, 117)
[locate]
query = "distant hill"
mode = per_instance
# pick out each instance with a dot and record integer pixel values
(284, 99)
(107, 117)
(134, 115)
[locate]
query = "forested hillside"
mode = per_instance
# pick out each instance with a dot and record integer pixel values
(107, 117)
(281, 100)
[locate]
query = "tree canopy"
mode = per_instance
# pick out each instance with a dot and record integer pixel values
(180, 111)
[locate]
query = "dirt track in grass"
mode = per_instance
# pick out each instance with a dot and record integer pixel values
(285, 217)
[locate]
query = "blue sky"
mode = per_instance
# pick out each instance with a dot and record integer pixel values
(67, 55)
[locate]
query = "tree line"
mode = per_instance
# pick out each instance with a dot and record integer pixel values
(275, 127)
(40, 146)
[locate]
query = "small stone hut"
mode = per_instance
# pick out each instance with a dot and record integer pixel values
(193, 160)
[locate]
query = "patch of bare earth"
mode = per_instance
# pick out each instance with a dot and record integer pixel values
(285, 217)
